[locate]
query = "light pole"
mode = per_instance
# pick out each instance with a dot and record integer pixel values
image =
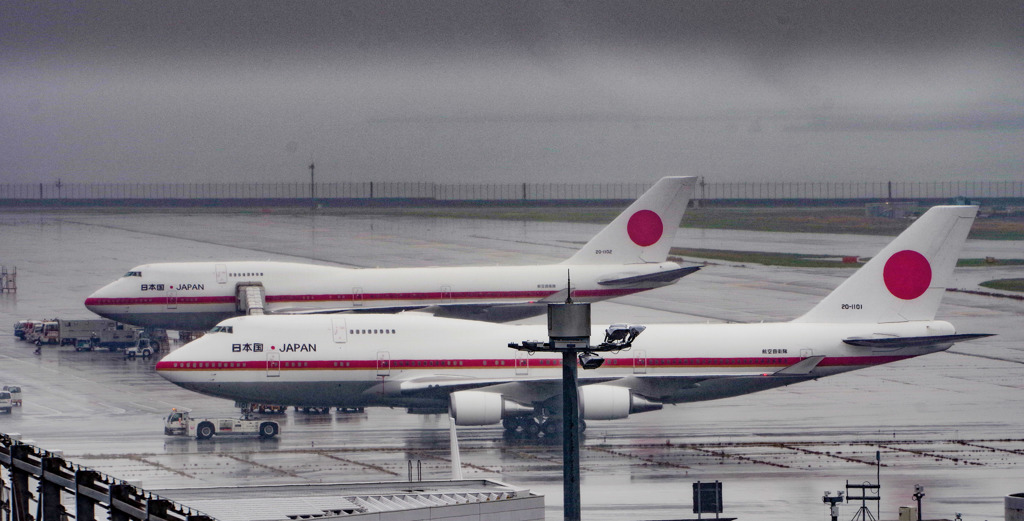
(569, 334)
(831, 501)
(918, 494)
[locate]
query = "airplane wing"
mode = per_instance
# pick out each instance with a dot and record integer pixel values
(913, 341)
(498, 313)
(650, 280)
(528, 390)
(801, 368)
(663, 277)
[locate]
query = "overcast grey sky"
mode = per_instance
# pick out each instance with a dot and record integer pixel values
(514, 91)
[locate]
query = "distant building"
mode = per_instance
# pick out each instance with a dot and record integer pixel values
(893, 210)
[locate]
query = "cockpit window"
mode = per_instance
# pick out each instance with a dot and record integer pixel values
(223, 329)
(133, 274)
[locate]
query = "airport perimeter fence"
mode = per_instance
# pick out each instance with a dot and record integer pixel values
(296, 194)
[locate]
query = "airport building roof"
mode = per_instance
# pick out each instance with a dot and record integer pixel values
(463, 500)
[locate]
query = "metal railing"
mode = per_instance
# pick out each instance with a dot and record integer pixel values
(55, 481)
(838, 190)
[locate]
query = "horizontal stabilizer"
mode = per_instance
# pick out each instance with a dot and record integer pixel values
(913, 341)
(666, 276)
(801, 368)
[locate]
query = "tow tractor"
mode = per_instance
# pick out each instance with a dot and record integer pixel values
(181, 423)
(141, 348)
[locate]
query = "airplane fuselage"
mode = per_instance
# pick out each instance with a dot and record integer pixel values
(198, 295)
(394, 360)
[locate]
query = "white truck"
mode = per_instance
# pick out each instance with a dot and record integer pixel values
(6, 403)
(181, 423)
(15, 392)
(101, 332)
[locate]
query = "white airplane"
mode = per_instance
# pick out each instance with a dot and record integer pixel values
(883, 313)
(627, 256)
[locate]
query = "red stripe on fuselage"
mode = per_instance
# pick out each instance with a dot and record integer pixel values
(156, 301)
(496, 363)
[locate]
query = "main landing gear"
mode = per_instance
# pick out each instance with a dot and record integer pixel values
(533, 427)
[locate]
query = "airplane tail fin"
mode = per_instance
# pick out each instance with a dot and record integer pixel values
(907, 279)
(643, 232)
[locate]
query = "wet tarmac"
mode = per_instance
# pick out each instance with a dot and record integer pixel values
(950, 421)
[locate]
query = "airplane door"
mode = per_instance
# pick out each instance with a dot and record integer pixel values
(383, 363)
(640, 362)
(172, 298)
(806, 353)
(221, 273)
(446, 294)
(357, 297)
(340, 330)
(273, 363)
(522, 363)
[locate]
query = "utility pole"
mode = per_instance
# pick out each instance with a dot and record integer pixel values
(312, 184)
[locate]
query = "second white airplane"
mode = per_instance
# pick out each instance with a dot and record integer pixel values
(628, 256)
(883, 313)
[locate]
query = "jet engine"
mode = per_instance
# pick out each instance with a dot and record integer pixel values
(483, 408)
(607, 402)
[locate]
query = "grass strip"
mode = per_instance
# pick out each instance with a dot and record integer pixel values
(793, 260)
(1005, 284)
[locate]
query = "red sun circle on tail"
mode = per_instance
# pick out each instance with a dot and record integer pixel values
(644, 228)
(907, 274)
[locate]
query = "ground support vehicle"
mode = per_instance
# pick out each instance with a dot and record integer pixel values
(99, 332)
(181, 423)
(22, 328)
(71, 331)
(15, 394)
(6, 404)
(118, 339)
(66, 332)
(44, 332)
(306, 409)
(142, 348)
(263, 408)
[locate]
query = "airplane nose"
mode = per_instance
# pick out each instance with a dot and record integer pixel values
(100, 299)
(172, 367)
(91, 301)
